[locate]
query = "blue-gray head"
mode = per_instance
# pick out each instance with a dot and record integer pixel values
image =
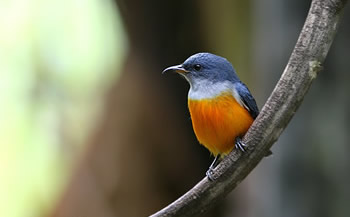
(205, 66)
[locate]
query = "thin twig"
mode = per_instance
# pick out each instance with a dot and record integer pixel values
(303, 66)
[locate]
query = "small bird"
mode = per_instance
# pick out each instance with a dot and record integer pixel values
(221, 106)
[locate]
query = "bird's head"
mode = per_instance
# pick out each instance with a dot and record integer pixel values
(205, 67)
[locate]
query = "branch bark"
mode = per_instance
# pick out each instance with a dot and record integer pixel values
(303, 66)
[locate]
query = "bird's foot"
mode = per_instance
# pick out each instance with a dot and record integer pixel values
(239, 144)
(210, 173)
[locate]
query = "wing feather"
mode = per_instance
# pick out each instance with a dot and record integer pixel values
(247, 99)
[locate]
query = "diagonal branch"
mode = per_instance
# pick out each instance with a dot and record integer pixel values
(304, 64)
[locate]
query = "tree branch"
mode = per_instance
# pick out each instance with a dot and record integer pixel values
(303, 66)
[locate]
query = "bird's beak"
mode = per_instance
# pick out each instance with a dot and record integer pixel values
(178, 68)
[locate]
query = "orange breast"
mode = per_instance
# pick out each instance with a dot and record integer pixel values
(218, 121)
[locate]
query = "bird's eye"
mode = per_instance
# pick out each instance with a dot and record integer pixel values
(197, 67)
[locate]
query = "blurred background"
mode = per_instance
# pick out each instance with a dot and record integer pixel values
(89, 126)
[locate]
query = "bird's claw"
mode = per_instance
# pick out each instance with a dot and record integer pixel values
(239, 144)
(210, 173)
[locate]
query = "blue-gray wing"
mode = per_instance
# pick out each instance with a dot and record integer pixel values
(247, 99)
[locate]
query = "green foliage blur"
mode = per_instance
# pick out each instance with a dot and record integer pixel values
(57, 59)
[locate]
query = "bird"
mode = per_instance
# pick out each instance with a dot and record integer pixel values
(221, 106)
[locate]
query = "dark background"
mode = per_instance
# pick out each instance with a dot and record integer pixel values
(143, 154)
